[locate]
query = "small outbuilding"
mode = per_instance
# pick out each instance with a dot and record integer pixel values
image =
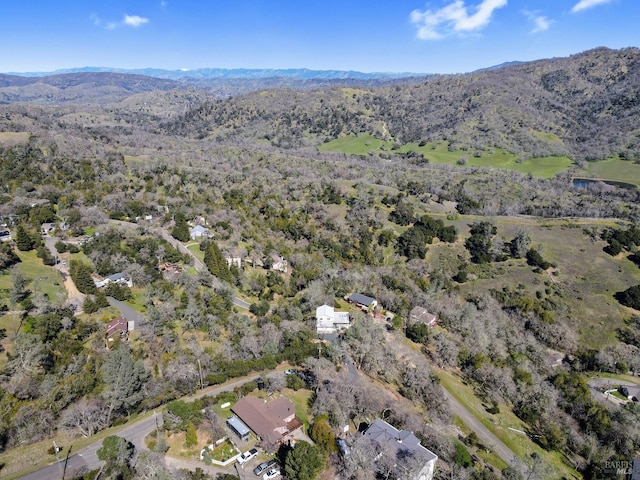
(239, 428)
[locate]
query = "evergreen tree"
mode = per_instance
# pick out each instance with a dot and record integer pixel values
(24, 242)
(81, 276)
(304, 461)
(8, 257)
(101, 299)
(89, 306)
(321, 433)
(216, 263)
(191, 439)
(181, 230)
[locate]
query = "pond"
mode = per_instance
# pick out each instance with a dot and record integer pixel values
(579, 182)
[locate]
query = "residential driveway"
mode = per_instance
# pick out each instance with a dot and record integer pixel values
(485, 436)
(74, 296)
(127, 312)
(600, 386)
(197, 263)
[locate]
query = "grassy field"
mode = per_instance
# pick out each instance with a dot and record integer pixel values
(195, 249)
(586, 277)
(500, 423)
(38, 275)
(352, 145)
(14, 138)
(439, 153)
(614, 169)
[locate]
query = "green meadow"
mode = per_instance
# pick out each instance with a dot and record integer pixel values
(614, 169)
(439, 153)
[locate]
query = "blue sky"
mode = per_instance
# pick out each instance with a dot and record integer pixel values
(433, 36)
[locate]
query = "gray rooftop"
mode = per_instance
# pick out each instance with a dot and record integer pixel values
(388, 436)
(238, 426)
(361, 299)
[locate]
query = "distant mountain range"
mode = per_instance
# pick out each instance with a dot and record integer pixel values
(234, 73)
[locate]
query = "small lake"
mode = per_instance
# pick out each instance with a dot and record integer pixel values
(585, 182)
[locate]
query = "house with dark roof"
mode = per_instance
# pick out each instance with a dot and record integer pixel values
(273, 422)
(632, 392)
(363, 301)
(118, 328)
(421, 315)
(120, 278)
(399, 443)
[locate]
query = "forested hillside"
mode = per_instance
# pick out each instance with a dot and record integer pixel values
(533, 280)
(583, 106)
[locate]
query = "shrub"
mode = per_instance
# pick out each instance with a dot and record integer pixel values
(535, 260)
(248, 387)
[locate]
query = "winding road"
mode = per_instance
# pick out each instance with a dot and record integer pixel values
(197, 263)
(87, 458)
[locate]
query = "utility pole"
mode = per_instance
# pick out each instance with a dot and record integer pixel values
(56, 449)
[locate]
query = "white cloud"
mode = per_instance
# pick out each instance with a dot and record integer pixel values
(453, 18)
(134, 20)
(128, 21)
(584, 4)
(540, 22)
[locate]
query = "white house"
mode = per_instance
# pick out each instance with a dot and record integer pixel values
(396, 443)
(330, 321)
(198, 232)
(117, 278)
(279, 264)
(232, 261)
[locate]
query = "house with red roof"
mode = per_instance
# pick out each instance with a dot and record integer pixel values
(273, 422)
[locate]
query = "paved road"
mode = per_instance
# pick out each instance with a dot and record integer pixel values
(483, 432)
(598, 385)
(197, 263)
(87, 459)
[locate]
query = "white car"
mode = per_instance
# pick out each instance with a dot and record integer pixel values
(273, 473)
(248, 455)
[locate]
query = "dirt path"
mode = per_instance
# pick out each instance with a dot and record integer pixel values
(74, 296)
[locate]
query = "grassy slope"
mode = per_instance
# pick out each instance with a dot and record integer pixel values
(499, 425)
(37, 274)
(587, 276)
(614, 169)
(545, 167)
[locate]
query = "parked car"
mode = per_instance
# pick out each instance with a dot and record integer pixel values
(343, 447)
(273, 473)
(263, 467)
(248, 455)
(290, 371)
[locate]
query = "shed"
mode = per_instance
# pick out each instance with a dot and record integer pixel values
(238, 427)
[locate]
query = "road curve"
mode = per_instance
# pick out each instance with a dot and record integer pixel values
(87, 458)
(197, 263)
